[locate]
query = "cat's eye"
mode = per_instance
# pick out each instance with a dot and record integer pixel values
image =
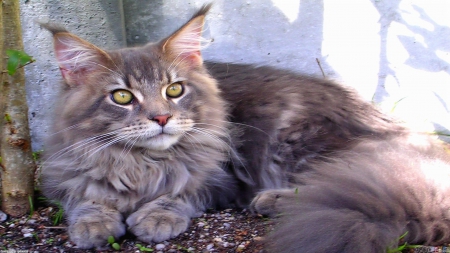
(122, 97)
(174, 90)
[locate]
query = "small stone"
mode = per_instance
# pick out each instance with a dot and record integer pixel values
(3, 216)
(201, 224)
(31, 221)
(160, 246)
(257, 238)
(27, 230)
(240, 248)
(27, 235)
(226, 225)
(209, 246)
(12, 225)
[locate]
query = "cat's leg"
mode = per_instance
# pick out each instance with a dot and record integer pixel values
(271, 202)
(90, 225)
(161, 219)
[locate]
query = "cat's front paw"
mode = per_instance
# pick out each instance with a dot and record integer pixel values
(156, 225)
(273, 202)
(91, 228)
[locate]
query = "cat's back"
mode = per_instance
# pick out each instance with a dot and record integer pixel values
(286, 107)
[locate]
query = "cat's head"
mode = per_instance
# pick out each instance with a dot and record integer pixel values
(149, 96)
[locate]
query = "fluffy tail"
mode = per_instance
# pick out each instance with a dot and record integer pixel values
(328, 220)
(365, 202)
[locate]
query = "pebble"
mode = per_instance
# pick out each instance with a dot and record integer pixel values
(31, 221)
(160, 246)
(3, 216)
(27, 230)
(27, 235)
(209, 246)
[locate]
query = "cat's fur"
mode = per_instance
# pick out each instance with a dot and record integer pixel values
(344, 177)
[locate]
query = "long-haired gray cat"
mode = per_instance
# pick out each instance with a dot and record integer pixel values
(146, 138)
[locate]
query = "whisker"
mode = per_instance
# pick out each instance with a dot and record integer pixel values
(231, 151)
(66, 129)
(242, 124)
(194, 141)
(86, 143)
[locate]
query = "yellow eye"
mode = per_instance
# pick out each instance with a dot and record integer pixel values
(174, 90)
(122, 97)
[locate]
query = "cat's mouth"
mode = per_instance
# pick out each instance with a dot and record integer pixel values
(158, 135)
(159, 141)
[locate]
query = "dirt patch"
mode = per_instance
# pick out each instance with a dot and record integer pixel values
(216, 231)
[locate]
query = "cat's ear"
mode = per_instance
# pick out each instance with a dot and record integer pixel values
(77, 58)
(185, 44)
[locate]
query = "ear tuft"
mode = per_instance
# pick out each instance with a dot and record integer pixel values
(76, 57)
(184, 45)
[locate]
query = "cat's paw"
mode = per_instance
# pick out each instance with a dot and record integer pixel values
(272, 202)
(157, 225)
(91, 229)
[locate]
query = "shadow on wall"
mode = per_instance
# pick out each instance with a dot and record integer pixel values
(86, 20)
(388, 14)
(422, 54)
(432, 43)
(243, 31)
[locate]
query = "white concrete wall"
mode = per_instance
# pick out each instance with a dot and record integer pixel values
(99, 21)
(389, 50)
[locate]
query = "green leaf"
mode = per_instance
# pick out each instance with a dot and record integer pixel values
(30, 200)
(116, 246)
(142, 248)
(16, 59)
(37, 154)
(7, 118)
(111, 239)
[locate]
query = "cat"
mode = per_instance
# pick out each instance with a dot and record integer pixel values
(146, 138)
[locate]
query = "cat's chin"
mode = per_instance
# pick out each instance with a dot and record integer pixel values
(159, 142)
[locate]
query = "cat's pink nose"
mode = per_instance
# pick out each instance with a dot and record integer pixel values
(162, 119)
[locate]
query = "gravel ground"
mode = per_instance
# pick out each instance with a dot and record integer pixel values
(224, 231)
(216, 231)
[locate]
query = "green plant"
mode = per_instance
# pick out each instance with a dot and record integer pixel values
(144, 249)
(58, 216)
(16, 60)
(440, 133)
(7, 118)
(37, 154)
(402, 247)
(396, 103)
(179, 247)
(30, 200)
(113, 243)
